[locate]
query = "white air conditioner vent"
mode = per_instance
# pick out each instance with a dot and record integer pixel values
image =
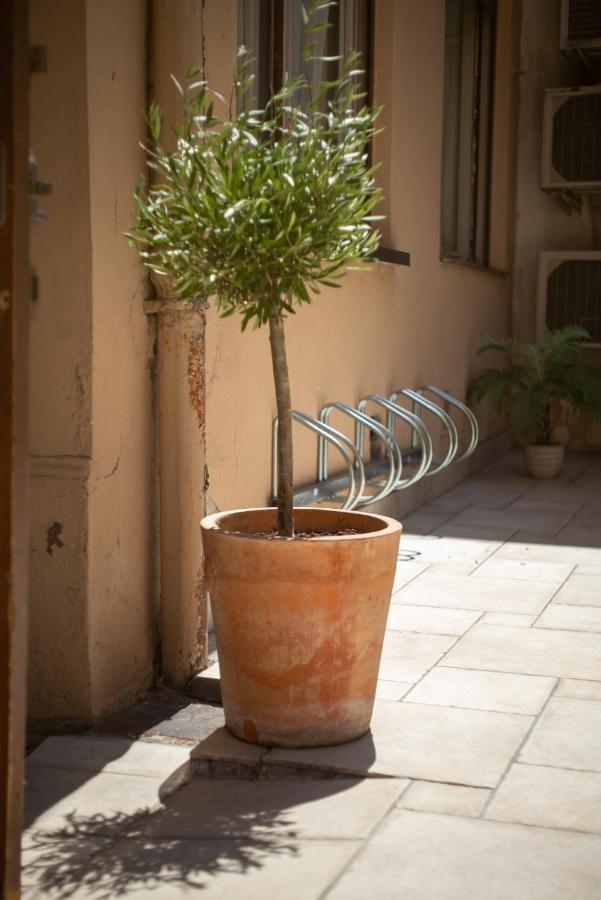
(571, 157)
(581, 25)
(569, 292)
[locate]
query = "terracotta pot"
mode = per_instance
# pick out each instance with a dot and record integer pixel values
(299, 622)
(544, 460)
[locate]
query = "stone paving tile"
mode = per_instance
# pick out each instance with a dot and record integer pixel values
(589, 569)
(406, 657)
(579, 690)
(459, 552)
(406, 571)
(438, 588)
(540, 503)
(452, 799)
(424, 521)
(567, 734)
(492, 534)
(525, 546)
(100, 803)
(529, 570)
(445, 503)
(53, 866)
(110, 755)
(424, 856)
(568, 495)
(313, 809)
(496, 691)
(392, 690)
(588, 515)
(430, 620)
(516, 620)
(552, 798)
(580, 590)
(254, 868)
(528, 651)
(544, 521)
(581, 536)
(223, 746)
(433, 743)
(572, 618)
(485, 495)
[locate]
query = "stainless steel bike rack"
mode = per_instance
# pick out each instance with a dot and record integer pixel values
(423, 435)
(464, 409)
(418, 402)
(325, 489)
(363, 422)
(384, 476)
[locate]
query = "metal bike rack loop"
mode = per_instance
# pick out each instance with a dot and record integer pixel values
(418, 427)
(463, 408)
(340, 441)
(362, 422)
(451, 428)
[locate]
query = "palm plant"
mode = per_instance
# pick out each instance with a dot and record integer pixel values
(260, 207)
(539, 373)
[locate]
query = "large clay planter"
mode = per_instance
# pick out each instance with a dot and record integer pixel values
(544, 460)
(299, 622)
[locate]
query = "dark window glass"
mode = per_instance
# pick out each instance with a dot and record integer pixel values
(467, 129)
(273, 29)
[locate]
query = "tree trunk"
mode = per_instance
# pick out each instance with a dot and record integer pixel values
(285, 522)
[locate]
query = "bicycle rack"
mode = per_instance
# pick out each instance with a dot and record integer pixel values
(328, 489)
(383, 475)
(418, 427)
(419, 401)
(463, 408)
(363, 422)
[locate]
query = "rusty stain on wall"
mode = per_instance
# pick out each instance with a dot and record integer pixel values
(196, 371)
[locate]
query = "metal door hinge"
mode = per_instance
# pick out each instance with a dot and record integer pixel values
(36, 188)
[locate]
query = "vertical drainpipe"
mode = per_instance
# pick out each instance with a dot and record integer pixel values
(175, 41)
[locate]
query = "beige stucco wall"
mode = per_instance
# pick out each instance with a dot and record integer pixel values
(386, 328)
(92, 602)
(121, 501)
(60, 376)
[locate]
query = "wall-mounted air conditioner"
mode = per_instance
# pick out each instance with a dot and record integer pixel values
(569, 292)
(571, 157)
(581, 26)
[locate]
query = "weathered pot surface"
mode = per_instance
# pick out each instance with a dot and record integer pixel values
(544, 460)
(299, 622)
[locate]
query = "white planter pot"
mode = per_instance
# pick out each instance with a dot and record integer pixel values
(544, 460)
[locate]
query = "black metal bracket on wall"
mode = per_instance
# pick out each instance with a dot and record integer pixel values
(398, 257)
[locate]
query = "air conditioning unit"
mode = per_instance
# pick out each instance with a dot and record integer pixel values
(569, 292)
(581, 26)
(571, 157)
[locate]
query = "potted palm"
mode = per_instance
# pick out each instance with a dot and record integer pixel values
(259, 208)
(539, 375)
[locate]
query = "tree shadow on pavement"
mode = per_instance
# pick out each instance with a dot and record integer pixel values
(209, 827)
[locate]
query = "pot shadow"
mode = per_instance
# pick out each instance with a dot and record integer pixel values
(208, 828)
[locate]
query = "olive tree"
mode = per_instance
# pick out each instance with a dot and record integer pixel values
(259, 208)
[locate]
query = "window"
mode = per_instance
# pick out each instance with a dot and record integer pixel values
(273, 29)
(467, 129)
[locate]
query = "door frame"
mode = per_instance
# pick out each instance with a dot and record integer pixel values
(15, 288)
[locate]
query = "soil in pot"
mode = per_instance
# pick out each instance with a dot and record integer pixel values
(299, 623)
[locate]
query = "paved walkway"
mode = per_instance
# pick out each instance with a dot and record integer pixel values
(483, 765)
